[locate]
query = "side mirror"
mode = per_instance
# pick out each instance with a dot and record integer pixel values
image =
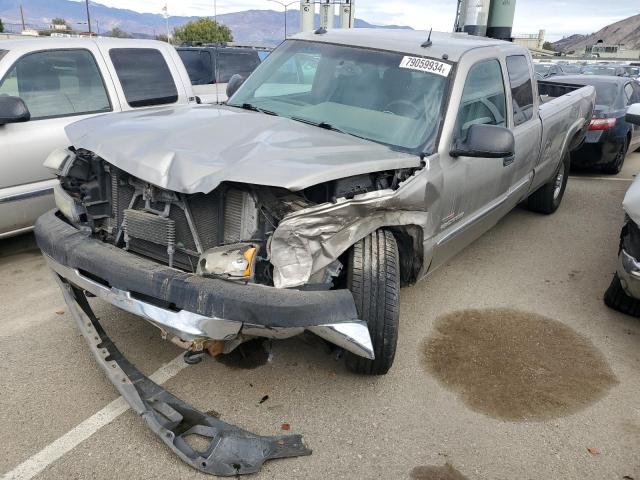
(633, 114)
(13, 110)
(234, 84)
(486, 141)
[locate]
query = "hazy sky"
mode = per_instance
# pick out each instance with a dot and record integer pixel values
(558, 17)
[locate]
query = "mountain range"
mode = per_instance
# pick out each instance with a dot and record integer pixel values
(250, 26)
(625, 32)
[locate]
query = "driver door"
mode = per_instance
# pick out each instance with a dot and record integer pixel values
(473, 188)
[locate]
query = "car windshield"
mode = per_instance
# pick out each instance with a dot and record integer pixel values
(385, 97)
(630, 70)
(599, 70)
(541, 69)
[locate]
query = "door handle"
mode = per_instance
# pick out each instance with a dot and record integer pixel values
(506, 161)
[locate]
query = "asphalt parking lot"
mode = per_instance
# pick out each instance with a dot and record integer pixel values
(407, 424)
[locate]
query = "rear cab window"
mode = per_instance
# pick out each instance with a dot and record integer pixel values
(230, 62)
(199, 65)
(145, 76)
(521, 88)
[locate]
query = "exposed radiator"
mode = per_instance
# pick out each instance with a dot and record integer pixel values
(190, 225)
(152, 228)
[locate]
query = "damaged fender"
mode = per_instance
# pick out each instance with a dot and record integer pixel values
(308, 240)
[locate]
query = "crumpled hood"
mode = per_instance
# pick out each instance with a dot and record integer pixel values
(631, 202)
(192, 149)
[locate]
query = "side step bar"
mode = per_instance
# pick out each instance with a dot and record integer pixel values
(231, 450)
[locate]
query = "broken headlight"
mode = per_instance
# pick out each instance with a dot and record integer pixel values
(236, 262)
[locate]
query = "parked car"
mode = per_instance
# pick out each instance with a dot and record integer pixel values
(350, 163)
(632, 71)
(47, 84)
(211, 67)
(610, 137)
(624, 292)
(571, 68)
(546, 70)
(605, 69)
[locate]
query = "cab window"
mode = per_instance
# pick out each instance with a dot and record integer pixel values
(483, 98)
(144, 75)
(521, 89)
(57, 83)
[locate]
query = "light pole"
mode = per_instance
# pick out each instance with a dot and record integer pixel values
(88, 17)
(285, 5)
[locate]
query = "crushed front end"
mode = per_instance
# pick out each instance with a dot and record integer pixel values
(195, 265)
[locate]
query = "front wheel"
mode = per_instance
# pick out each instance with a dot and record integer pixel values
(615, 297)
(373, 277)
(549, 196)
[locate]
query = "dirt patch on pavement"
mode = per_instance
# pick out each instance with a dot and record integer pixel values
(429, 472)
(516, 366)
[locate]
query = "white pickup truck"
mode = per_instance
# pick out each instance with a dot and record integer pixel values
(46, 84)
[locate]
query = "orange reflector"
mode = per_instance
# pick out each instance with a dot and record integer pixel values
(248, 256)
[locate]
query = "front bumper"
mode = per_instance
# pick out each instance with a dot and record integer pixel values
(192, 307)
(629, 274)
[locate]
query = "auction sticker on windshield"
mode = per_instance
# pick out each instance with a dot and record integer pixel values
(426, 65)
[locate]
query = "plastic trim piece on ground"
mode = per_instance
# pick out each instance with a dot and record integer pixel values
(231, 450)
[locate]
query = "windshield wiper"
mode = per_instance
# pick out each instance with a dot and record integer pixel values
(253, 108)
(325, 125)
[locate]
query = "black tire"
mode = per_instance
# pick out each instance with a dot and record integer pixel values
(614, 167)
(549, 196)
(373, 277)
(615, 297)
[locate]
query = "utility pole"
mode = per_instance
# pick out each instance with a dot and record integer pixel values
(88, 16)
(22, 17)
(285, 5)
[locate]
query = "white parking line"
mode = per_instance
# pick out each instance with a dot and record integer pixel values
(67, 442)
(611, 179)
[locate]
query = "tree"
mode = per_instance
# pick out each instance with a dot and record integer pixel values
(61, 21)
(1, 26)
(549, 46)
(162, 37)
(119, 33)
(202, 30)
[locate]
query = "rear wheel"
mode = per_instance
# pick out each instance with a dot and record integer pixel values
(616, 164)
(549, 196)
(615, 297)
(374, 280)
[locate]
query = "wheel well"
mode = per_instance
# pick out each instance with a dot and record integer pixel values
(411, 250)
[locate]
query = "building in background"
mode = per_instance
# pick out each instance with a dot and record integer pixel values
(604, 50)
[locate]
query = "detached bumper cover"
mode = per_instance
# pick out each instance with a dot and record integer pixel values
(231, 450)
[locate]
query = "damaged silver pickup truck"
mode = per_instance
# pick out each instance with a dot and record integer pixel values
(350, 163)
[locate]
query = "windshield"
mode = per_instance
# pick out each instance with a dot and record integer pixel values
(599, 70)
(630, 70)
(540, 68)
(381, 96)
